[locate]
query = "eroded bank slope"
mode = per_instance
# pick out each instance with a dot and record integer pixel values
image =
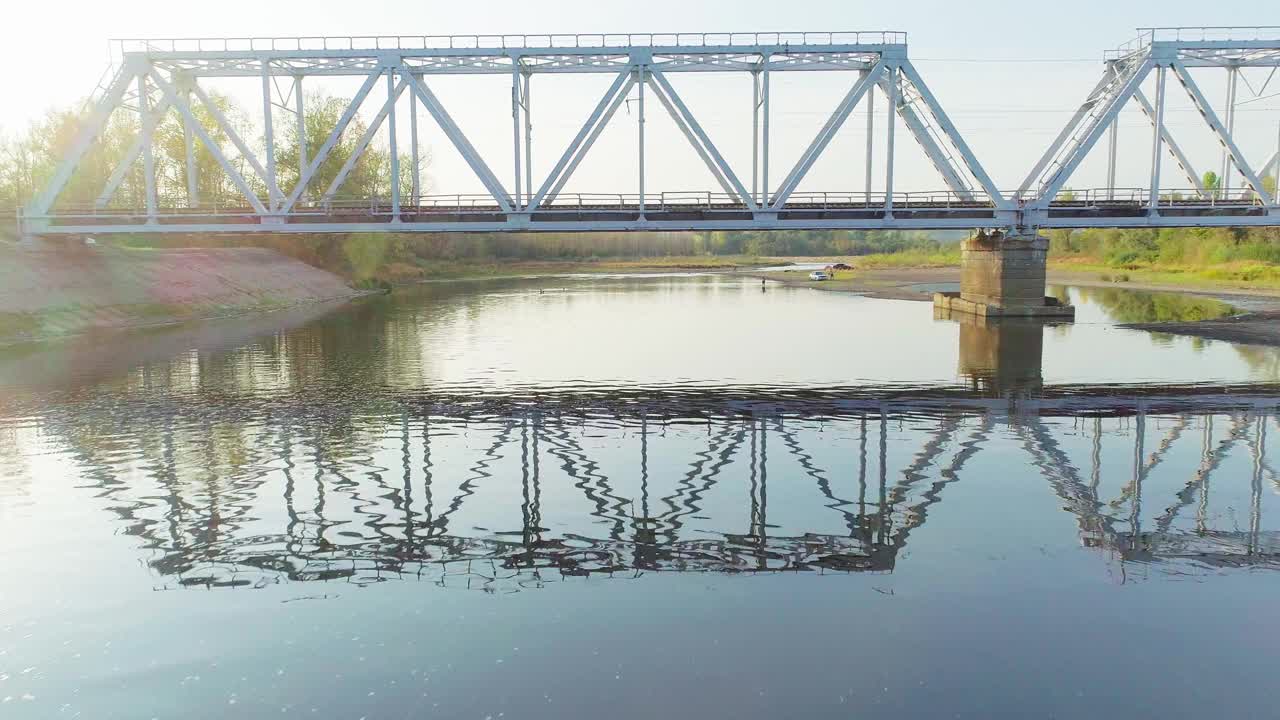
(46, 293)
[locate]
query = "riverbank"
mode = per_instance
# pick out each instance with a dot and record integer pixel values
(1259, 323)
(75, 290)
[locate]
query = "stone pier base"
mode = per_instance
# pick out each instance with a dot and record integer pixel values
(1003, 276)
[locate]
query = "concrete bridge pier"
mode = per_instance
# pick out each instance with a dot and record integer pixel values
(1002, 274)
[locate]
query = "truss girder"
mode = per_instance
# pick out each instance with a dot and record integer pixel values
(155, 83)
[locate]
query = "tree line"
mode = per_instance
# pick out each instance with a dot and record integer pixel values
(28, 159)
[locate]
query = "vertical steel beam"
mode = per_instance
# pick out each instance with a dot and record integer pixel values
(1275, 162)
(392, 96)
(528, 138)
(766, 83)
(640, 83)
(1157, 142)
(299, 109)
(891, 118)
(269, 137)
(871, 141)
(193, 172)
(416, 186)
(145, 125)
(515, 132)
(1233, 78)
(1113, 139)
(755, 135)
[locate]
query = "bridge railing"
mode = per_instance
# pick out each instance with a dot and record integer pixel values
(1182, 197)
(504, 42)
(1209, 33)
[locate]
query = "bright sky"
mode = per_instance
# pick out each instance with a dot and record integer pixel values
(1009, 74)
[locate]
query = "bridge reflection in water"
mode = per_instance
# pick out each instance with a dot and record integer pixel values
(515, 502)
(235, 487)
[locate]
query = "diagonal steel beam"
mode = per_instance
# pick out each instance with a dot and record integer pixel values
(1220, 130)
(330, 143)
(709, 149)
(949, 130)
(1109, 77)
(1179, 157)
(693, 141)
(89, 132)
(130, 157)
(920, 131)
(824, 137)
(363, 143)
(224, 125)
(599, 117)
(236, 178)
(1270, 165)
(591, 140)
(1076, 154)
(460, 142)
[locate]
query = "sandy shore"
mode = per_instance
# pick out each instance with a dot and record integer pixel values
(1258, 325)
(52, 293)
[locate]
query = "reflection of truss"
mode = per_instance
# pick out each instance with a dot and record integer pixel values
(155, 78)
(210, 534)
(1100, 526)
(207, 541)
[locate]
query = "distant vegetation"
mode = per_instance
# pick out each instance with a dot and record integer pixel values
(1234, 255)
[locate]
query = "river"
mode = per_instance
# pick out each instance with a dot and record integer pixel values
(632, 497)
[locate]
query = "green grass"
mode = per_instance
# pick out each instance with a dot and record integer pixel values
(909, 259)
(1243, 274)
(18, 324)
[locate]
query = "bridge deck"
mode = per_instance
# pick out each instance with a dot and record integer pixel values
(608, 216)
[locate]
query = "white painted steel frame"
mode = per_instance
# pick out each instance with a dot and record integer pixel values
(879, 59)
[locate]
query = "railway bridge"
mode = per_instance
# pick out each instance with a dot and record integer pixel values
(152, 79)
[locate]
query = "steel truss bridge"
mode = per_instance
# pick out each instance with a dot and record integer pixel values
(156, 77)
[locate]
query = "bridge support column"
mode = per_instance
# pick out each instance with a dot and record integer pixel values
(1003, 275)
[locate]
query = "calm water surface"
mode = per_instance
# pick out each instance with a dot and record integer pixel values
(640, 497)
